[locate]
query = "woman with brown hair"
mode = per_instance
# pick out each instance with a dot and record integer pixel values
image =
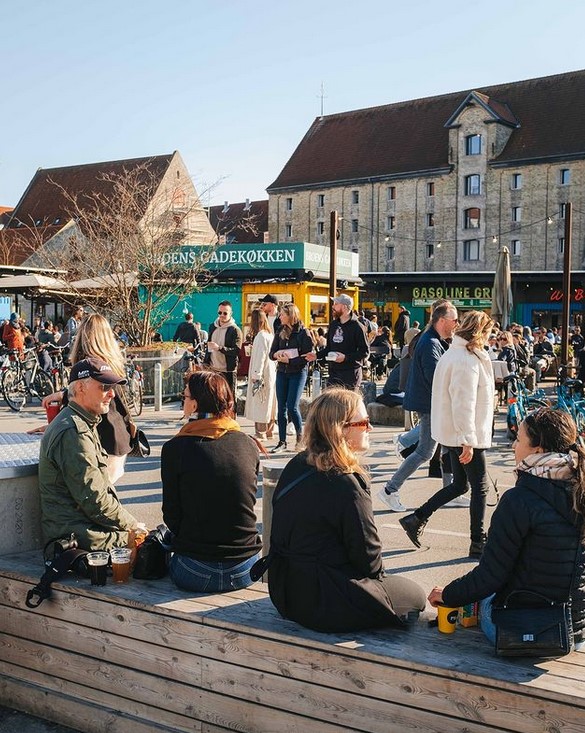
(209, 471)
(326, 566)
(462, 414)
(290, 347)
(535, 542)
(261, 393)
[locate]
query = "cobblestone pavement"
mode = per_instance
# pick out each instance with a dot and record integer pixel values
(446, 539)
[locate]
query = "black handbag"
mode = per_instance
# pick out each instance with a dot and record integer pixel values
(544, 631)
(139, 445)
(152, 556)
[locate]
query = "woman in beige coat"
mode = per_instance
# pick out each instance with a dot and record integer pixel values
(261, 394)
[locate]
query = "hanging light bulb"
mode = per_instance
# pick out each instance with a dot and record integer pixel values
(386, 238)
(549, 220)
(439, 244)
(494, 239)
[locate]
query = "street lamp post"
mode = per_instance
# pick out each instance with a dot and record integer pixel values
(566, 285)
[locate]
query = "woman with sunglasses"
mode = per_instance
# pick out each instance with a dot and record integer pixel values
(462, 414)
(326, 567)
(535, 542)
(289, 349)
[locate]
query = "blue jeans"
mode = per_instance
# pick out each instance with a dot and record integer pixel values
(411, 437)
(289, 388)
(424, 451)
(210, 577)
(485, 618)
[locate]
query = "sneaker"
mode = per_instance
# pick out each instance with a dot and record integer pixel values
(280, 447)
(414, 527)
(399, 447)
(392, 501)
(290, 429)
(459, 501)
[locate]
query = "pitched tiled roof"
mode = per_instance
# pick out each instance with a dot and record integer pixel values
(238, 224)
(411, 136)
(43, 202)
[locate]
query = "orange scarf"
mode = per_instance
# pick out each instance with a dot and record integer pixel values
(209, 427)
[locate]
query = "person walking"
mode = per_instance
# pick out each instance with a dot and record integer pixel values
(431, 345)
(535, 541)
(291, 348)
(325, 564)
(462, 413)
(269, 305)
(187, 332)
(261, 392)
(402, 324)
(223, 346)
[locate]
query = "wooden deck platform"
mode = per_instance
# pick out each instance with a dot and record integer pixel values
(145, 657)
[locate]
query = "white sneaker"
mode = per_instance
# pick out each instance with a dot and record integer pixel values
(459, 501)
(290, 429)
(392, 501)
(399, 447)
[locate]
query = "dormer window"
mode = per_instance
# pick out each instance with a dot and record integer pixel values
(473, 145)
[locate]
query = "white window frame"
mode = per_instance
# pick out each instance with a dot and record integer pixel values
(390, 252)
(516, 214)
(320, 200)
(468, 184)
(515, 247)
(565, 176)
(288, 204)
(469, 144)
(468, 251)
(562, 210)
(467, 219)
(516, 181)
(391, 193)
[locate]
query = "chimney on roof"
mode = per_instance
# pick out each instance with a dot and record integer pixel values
(247, 205)
(226, 207)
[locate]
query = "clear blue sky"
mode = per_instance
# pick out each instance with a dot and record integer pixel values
(234, 84)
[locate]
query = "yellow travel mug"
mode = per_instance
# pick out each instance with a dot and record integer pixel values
(447, 619)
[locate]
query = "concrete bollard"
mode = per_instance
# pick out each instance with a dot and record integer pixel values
(157, 386)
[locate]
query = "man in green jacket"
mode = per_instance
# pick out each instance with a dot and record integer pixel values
(76, 493)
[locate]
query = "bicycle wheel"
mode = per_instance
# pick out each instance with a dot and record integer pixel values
(410, 419)
(42, 385)
(14, 389)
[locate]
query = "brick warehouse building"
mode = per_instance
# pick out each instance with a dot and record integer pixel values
(430, 189)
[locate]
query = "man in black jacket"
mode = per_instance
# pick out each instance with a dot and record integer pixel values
(347, 346)
(187, 332)
(402, 325)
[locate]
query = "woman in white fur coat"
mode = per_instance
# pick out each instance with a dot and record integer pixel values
(462, 414)
(261, 394)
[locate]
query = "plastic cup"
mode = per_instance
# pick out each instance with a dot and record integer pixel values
(447, 619)
(98, 565)
(121, 557)
(52, 410)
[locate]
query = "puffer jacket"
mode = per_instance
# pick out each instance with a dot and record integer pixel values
(429, 349)
(532, 542)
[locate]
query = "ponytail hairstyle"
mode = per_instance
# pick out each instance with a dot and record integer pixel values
(555, 432)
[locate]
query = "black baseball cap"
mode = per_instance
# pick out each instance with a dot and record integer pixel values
(269, 299)
(97, 369)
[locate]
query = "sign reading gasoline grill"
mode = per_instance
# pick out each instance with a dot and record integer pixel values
(273, 256)
(461, 297)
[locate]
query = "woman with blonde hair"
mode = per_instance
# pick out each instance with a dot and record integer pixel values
(94, 337)
(261, 394)
(325, 570)
(462, 414)
(290, 347)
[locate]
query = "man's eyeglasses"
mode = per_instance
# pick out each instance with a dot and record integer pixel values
(106, 387)
(223, 313)
(359, 424)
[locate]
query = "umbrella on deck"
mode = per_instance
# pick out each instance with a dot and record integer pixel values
(502, 290)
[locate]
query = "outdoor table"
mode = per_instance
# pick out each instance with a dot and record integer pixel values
(20, 506)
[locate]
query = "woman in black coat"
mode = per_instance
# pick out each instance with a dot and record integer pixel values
(326, 570)
(291, 345)
(535, 541)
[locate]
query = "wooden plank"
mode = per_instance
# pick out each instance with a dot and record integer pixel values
(72, 708)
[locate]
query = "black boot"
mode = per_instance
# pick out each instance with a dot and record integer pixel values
(476, 547)
(414, 527)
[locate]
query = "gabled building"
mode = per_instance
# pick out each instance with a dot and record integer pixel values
(430, 189)
(46, 217)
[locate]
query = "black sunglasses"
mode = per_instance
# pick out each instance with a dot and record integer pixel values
(223, 313)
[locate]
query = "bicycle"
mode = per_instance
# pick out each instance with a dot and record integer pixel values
(59, 370)
(520, 402)
(134, 386)
(24, 379)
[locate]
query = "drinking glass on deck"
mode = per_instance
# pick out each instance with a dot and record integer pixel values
(121, 557)
(98, 565)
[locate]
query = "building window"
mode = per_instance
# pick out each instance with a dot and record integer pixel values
(390, 223)
(471, 218)
(472, 185)
(430, 251)
(321, 200)
(562, 211)
(320, 228)
(471, 250)
(515, 247)
(516, 181)
(473, 145)
(391, 193)
(516, 213)
(565, 176)
(355, 197)
(431, 188)
(390, 252)
(288, 204)
(561, 246)
(430, 220)
(354, 225)
(288, 231)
